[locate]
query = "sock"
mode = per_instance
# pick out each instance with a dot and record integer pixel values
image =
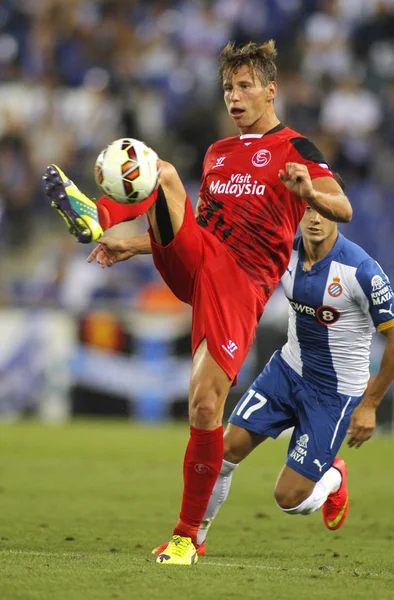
(103, 214)
(112, 213)
(333, 479)
(329, 483)
(201, 467)
(218, 497)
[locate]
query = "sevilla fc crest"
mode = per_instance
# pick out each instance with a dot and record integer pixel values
(261, 158)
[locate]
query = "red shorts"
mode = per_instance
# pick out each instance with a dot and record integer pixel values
(200, 271)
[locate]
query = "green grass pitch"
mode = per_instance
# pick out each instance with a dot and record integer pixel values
(82, 505)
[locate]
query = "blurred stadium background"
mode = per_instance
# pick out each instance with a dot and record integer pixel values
(77, 74)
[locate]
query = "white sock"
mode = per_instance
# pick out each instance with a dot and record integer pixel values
(333, 478)
(218, 496)
(329, 483)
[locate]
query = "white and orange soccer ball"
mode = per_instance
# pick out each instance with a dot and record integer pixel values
(127, 171)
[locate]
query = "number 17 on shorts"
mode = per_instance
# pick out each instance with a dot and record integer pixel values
(245, 411)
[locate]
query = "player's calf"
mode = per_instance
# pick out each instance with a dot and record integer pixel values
(295, 499)
(290, 499)
(292, 489)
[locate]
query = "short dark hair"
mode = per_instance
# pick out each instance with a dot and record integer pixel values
(260, 59)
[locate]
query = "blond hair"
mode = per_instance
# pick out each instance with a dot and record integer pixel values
(260, 60)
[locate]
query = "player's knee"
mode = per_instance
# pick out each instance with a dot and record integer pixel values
(203, 413)
(287, 498)
(204, 408)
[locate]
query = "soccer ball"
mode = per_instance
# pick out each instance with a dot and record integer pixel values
(127, 171)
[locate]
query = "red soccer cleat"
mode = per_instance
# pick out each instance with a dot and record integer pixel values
(200, 549)
(336, 506)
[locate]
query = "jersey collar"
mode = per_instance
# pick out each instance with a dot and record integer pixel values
(320, 264)
(275, 129)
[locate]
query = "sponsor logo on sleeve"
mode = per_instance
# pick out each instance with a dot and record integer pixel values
(219, 162)
(382, 294)
(377, 283)
(388, 311)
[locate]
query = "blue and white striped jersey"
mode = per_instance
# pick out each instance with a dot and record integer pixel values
(334, 309)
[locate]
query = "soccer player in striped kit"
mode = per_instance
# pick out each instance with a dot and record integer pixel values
(317, 383)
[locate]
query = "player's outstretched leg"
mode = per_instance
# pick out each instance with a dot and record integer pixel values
(336, 506)
(180, 551)
(78, 211)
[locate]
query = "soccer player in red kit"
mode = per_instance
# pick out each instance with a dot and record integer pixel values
(227, 261)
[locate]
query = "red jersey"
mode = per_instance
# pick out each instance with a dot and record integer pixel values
(245, 204)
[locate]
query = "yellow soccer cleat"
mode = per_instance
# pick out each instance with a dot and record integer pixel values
(78, 211)
(200, 548)
(180, 551)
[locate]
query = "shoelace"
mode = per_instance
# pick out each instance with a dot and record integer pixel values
(180, 544)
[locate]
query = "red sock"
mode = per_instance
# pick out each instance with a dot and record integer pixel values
(201, 467)
(111, 213)
(103, 214)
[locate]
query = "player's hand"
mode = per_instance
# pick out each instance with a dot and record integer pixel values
(297, 179)
(111, 250)
(362, 425)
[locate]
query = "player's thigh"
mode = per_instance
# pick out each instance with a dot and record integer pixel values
(265, 408)
(292, 487)
(175, 195)
(239, 443)
(320, 428)
(226, 305)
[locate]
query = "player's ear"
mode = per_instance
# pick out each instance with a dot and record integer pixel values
(271, 90)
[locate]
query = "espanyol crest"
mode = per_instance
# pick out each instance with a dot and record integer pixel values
(335, 288)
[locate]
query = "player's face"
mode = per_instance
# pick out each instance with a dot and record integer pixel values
(315, 228)
(247, 100)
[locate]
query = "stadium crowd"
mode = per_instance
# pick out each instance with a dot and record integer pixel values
(76, 75)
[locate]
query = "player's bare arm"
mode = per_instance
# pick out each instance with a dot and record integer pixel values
(323, 193)
(363, 420)
(111, 250)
